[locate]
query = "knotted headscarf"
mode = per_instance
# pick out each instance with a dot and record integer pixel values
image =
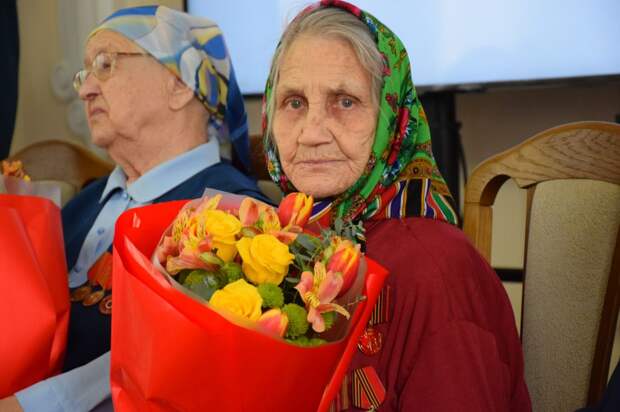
(193, 49)
(401, 177)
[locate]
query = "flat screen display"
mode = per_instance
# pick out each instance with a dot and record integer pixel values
(450, 42)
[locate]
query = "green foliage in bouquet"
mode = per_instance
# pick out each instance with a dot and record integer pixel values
(272, 295)
(297, 320)
(204, 283)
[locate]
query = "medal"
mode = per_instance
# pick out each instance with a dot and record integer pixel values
(93, 298)
(366, 390)
(105, 306)
(370, 342)
(99, 282)
(100, 272)
(78, 295)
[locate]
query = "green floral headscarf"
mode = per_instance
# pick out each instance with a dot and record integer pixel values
(401, 178)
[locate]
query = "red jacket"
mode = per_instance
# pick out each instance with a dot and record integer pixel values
(450, 343)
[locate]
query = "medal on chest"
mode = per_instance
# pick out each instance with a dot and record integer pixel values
(97, 290)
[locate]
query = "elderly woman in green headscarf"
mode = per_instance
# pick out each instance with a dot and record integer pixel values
(343, 123)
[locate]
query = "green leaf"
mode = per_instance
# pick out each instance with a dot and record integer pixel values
(203, 290)
(195, 276)
(306, 241)
(292, 280)
(248, 232)
(211, 259)
(182, 275)
(204, 283)
(338, 225)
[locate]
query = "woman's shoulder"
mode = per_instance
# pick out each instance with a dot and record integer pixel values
(423, 239)
(433, 261)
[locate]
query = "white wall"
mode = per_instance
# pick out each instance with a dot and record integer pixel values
(40, 114)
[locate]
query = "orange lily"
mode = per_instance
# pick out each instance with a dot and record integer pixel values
(318, 290)
(295, 210)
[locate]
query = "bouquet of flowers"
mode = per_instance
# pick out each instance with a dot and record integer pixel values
(258, 264)
(14, 168)
(15, 181)
(35, 309)
(252, 305)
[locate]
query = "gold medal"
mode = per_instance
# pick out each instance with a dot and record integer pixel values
(80, 293)
(105, 306)
(93, 298)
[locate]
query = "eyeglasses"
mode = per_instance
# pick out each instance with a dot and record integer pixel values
(102, 67)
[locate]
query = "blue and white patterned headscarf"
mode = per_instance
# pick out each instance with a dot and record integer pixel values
(193, 49)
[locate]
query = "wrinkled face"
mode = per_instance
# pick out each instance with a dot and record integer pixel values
(130, 99)
(324, 116)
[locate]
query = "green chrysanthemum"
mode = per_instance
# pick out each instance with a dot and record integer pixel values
(297, 322)
(329, 318)
(306, 341)
(272, 295)
(232, 271)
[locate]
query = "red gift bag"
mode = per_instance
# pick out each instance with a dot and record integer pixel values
(34, 308)
(173, 353)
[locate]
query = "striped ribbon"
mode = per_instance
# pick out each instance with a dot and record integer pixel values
(367, 391)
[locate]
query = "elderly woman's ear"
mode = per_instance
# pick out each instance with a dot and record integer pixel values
(179, 95)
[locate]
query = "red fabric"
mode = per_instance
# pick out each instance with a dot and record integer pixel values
(451, 343)
(34, 307)
(171, 352)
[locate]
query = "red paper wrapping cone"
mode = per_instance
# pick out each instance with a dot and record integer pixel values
(172, 353)
(35, 305)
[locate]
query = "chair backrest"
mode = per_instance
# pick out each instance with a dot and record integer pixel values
(62, 160)
(572, 255)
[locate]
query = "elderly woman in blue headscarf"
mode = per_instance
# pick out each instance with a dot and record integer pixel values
(159, 91)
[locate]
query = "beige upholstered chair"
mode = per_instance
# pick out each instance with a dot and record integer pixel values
(572, 255)
(63, 163)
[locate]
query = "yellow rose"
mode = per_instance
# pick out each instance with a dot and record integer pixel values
(239, 297)
(265, 258)
(222, 227)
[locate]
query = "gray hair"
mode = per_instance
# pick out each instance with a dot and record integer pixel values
(329, 22)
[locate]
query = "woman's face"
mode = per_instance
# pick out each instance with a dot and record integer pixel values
(130, 99)
(324, 115)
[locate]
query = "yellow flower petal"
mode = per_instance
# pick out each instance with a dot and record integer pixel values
(239, 297)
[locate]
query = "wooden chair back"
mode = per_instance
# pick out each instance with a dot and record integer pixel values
(572, 177)
(63, 161)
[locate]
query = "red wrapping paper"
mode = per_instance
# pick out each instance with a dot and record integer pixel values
(34, 306)
(173, 353)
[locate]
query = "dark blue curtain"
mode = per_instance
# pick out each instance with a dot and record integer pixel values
(9, 55)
